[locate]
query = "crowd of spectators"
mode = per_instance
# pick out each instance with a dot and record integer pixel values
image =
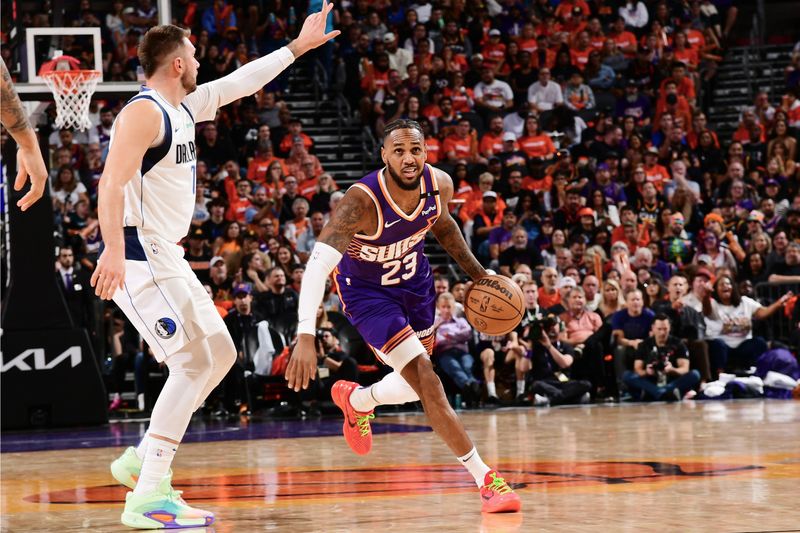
(584, 165)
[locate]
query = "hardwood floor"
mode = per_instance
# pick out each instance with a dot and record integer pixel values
(702, 466)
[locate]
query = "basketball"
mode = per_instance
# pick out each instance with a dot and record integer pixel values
(494, 305)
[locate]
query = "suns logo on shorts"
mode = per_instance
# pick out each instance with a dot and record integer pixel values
(165, 328)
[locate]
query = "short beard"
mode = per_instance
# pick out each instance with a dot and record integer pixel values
(189, 85)
(399, 180)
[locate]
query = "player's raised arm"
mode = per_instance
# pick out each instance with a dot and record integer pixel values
(29, 156)
(136, 128)
(354, 214)
(448, 233)
(251, 77)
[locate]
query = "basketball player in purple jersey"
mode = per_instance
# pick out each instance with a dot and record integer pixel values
(374, 245)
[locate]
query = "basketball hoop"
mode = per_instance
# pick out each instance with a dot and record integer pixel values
(72, 91)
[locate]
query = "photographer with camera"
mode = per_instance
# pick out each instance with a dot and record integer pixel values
(661, 368)
(333, 363)
(551, 360)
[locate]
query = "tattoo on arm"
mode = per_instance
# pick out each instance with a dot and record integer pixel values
(449, 236)
(14, 117)
(348, 220)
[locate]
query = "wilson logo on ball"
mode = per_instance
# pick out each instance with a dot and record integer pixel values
(494, 284)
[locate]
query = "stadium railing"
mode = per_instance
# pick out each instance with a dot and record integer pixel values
(779, 325)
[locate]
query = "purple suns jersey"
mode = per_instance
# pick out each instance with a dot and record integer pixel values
(393, 256)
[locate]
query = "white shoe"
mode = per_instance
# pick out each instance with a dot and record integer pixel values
(779, 381)
(540, 401)
(586, 398)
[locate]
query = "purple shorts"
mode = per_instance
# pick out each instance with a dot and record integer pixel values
(386, 316)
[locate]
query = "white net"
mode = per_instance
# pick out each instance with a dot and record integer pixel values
(72, 90)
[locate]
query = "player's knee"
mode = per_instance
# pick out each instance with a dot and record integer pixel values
(487, 356)
(227, 352)
(194, 364)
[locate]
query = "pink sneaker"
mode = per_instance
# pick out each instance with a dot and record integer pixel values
(116, 403)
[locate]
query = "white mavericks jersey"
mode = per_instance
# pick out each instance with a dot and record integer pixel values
(160, 198)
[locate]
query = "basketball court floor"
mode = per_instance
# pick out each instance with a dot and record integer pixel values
(703, 466)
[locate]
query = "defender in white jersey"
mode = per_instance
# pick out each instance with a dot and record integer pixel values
(146, 200)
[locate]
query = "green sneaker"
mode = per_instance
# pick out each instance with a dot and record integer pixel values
(163, 508)
(127, 467)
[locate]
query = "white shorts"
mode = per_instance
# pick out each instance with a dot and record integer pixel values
(162, 296)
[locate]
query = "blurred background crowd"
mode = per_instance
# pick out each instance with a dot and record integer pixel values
(650, 247)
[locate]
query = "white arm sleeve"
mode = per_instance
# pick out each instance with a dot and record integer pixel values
(244, 81)
(323, 260)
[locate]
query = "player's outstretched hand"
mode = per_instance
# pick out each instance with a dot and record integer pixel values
(302, 364)
(312, 34)
(109, 274)
(30, 163)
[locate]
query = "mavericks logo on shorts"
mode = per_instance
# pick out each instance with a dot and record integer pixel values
(165, 328)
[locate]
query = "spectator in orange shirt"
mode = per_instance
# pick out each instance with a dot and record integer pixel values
(670, 101)
(633, 238)
(748, 123)
(567, 9)
(655, 173)
(597, 38)
(534, 142)
(527, 38)
(684, 52)
(239, 202)
(432, 145)
(694, 37)
(442, 117)
(484, 221)
(549, 295)
(295, 130)
(273, 180)
(461, 144)
(683, 82)
(423, 57)
(575, 25)
(462, 97)
(297, 163)
(626, 41)
(579, 54)
(492, 140)
(640, 236)
(543, 57)
(307, 176)
(473, 200)
(375, 75)
(493, 51)
(259, 166)
(699, 125)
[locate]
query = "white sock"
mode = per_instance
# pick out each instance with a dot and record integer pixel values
(391, 390)
(520, 386)
(472, 462)
(141, 449)
(490, 390)
(155, 465)
(140, 401)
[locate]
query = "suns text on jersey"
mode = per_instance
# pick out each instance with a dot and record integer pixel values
(391, 251)
(184, 153)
